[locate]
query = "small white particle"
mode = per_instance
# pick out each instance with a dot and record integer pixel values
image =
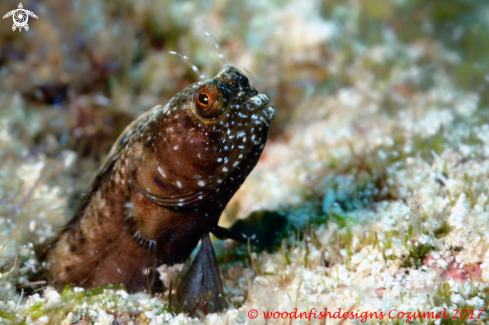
(32, 225)
(224, 169)
(201, 183)
(175, 147)
(179, 184)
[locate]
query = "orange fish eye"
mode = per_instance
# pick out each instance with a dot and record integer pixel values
(211, 100)
(208, 103)
(203, 99)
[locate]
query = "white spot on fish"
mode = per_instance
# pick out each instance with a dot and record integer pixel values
(161, 172)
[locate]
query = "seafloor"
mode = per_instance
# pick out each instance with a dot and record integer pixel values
(371, 194)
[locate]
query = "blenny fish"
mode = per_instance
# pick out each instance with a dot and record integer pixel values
(163, 188)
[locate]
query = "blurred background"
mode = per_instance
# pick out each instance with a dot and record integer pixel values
(93, 66)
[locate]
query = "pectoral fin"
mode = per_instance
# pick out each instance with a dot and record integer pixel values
(224, 233)
(201, 287)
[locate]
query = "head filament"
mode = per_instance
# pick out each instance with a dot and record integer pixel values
(218, 48)
(196, 70)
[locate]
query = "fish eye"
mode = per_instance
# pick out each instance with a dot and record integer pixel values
(211, 100)
(203, 99)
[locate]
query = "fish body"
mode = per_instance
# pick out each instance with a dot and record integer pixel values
(164, 185)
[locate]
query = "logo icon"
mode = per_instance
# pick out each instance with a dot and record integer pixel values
(20, 17)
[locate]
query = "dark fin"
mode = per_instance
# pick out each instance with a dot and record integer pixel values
(201, 287)
(224, 233)
(264, 227)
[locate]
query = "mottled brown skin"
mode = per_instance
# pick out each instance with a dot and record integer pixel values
(165, 184)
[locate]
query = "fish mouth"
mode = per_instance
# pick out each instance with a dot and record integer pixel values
(261, 116)
(260, 100)
(259, 104)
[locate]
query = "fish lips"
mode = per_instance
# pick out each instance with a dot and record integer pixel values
(261, 101)
(261, 111)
